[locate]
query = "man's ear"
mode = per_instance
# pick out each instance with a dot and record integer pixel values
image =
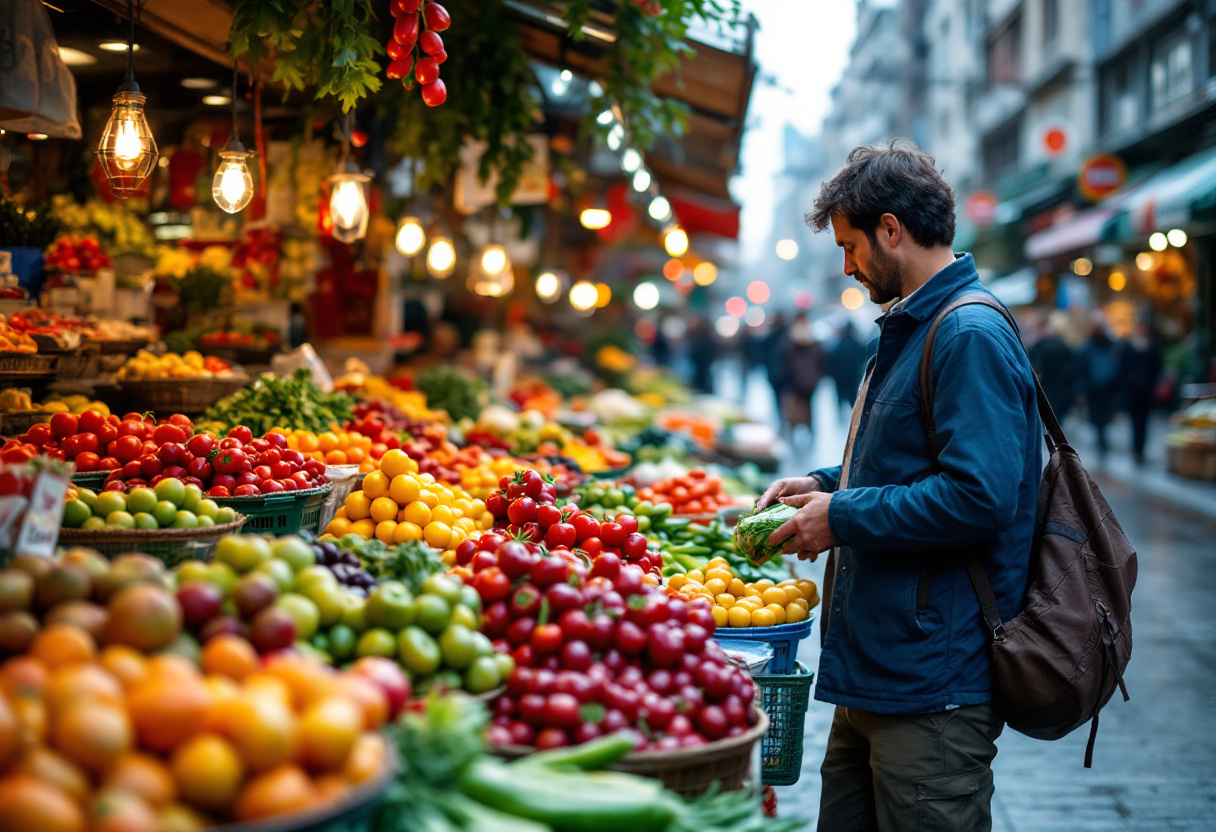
(889, 229)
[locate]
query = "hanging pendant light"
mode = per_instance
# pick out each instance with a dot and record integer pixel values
(550, 284)
(127, 152)
(232, 187)
(440, 257)
(491, 276)
(411, 237)
(348, 208)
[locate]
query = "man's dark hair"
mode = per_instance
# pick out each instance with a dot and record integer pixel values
(897, 178)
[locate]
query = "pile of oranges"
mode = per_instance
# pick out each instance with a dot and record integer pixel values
(739, 604)
(337, 447)
(120, 740)
(397, 505)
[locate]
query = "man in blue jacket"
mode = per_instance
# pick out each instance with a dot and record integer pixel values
(904, 648)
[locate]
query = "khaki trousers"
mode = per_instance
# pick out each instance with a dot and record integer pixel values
(922, 773)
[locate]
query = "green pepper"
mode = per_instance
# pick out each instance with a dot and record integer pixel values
(589, 756)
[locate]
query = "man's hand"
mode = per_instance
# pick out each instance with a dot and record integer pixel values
(788, 487)
(807, 532)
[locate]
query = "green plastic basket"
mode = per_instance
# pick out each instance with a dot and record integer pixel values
(784, 697)
(93, 480)
(285, 512)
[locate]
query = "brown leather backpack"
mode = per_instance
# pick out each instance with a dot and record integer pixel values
(1060, 659)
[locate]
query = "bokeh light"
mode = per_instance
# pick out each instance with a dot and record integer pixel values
(852, 298)
(736, 306)
(705, 274)
(787, 249)
(727, 326)
(603, 295)
(1117, 281)
(803, 299)
(757, 291)
(1084, 266)
(672, 270)
(1177, 237)
(646, 295)
(583, 295)
(1157, 241)
(675, 242)
(754, 316)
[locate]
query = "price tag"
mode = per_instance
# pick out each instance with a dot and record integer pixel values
(40, 531)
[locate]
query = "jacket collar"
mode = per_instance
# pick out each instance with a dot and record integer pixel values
(925, 301)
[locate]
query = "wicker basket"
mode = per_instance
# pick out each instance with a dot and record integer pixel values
(78, 363)
(172, 546)
(19, 421)
(129, 346)
(190, 396)
(686, 771)
(27, 363)
(354, 813)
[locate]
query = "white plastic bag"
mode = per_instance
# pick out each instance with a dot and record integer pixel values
(37, 90)
(303, 356)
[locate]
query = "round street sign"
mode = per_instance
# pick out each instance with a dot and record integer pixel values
(1100, 176)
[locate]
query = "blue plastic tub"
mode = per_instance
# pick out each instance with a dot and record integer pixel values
(28, 265)
(783, 637)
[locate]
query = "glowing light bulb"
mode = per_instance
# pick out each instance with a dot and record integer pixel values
(660, 208)
(631, 160)
(127, 146)
(346, 203)
(493, 259)
(584, 295)
(549, 286)
(410, 236)
(676, 242)
(127, 152)
(232, 187)
(646, 295)
(595, 218)
(440, 257)
(641, 180)
(348, 206)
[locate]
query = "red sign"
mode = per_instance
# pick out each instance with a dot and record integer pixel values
(980, 207)
(1101, 176)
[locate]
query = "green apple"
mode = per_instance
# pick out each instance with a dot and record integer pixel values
(165, 512)
(109, 502)
(303, 611)
(328, 598)
(120, 519)
(194, 496)
(207, 508)
(87, 496)
(173, 490)
(243, 552)
(141, 500)
(75, 512)
(185, 519)
(192, 570)
(315, 575)
(390, 606)
(224, 515)
(221, 574)
(204, 521)
(143, 520)
(296, 552)
(355, 614)
(281, 571)
(94, 523)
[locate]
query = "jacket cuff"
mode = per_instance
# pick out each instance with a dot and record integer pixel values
(840, 518)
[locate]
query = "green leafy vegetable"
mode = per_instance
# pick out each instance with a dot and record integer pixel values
(411, 563)
(753, 531)
(462, 396)
(270, 402)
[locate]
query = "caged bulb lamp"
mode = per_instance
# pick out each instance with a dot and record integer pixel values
(127, 152)
(348, 207)
(410, 236)
(232, 187)
(440, 258)
(494, 278)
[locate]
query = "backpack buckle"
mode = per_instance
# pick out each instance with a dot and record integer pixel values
(998, 634)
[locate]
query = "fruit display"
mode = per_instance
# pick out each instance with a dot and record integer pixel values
(399, 504)
(144, 366)
(237, 465)
(688, 546)
(97, 442)
(695, 493)
(461, 395)
(340, 447)
(12, 340)
(753, 531)
(169, 504)
(36, 321)
(270, 402)
(239, 336)
(13, 400)
(76, 253)
(598, 650)
(416, 49)
(739, 604)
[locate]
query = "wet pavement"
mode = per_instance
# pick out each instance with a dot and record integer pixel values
(1155, 759)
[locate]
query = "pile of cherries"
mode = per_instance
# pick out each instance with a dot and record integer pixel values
(526, 506)
(598, 650)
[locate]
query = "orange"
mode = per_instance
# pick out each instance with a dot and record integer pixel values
(367, 758)
(773, 595)
(365, 528)
(406, 532)
(116, 810)
(715, 586)
(308, 441)
(330, 788)
(386, 531)
(722, 616)
(335, 458)
(418, 513)
(327, 442)
(229, 655)
(397, 462)
(343, 439)
(307, 679)
(279, 791)
(375, 484)
(369, 696)
(736, 587)
(328, 731)
(763, 617)
(23, 676)
(382, 508)
(144, 776)
(93, 734)
(428, 498)
(124, 662)
(355, 455)
(437, 535)
(167, 710)
(403, 488)
(54, 768)
(339, 527)
(12, 734)
(30, 805)
(443, 514)
(208, 771)
(172, 666)
(358, 505)
(81, 681)
(263, 730)
(795, 613)
(738, 616)
(778, 612)
(62, 644)
(179, 818)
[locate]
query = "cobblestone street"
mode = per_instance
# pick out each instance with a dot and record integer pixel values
(1155, 758)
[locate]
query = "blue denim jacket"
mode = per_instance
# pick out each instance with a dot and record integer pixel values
(902, 521)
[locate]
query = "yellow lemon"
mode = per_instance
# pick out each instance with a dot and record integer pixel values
(443, 514)
(778, 612)
(338, 527)
(724, 600)
(736, 588)
(721, 616)
(403, 489)
(763, 618)
(418, 512)
(466, 524)
(375, 484)
(773, 595)
(677, 581)
(717, 586)
(386, 531)
(364, 528)
(394, 463)
(407, 532)
(795, 613)
(437, 535)
(428, 498)
(382, 509)
(358, 505)
(737, 616)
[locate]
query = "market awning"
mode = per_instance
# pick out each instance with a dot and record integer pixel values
(1173, 198)
(1017, 289)
(1079, 231)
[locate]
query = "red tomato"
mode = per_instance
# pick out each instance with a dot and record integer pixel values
(492, 585)
(39, 434)
(90, 421)
(87, 461)
(106, 434)
(168, 433)
(63, 425)
(241, 434)
(128, 448)
(107, 463)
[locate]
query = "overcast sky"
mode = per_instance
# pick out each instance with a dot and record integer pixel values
(801, 48)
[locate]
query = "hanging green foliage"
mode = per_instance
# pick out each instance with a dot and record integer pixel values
(326, 45)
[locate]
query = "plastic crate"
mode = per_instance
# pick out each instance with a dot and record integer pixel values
(93, 480)
(783, 637)
(284, 512)
(784, 697)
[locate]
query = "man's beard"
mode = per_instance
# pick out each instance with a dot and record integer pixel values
(884, 278)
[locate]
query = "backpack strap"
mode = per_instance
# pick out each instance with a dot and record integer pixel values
(1054, 435)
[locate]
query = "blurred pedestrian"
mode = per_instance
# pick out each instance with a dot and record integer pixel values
(1055, 361)
(1142, 365)
(846, 365)
(774, 359)
(805, 365)
(1101, 371)
(702, 350)
(660, 348)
